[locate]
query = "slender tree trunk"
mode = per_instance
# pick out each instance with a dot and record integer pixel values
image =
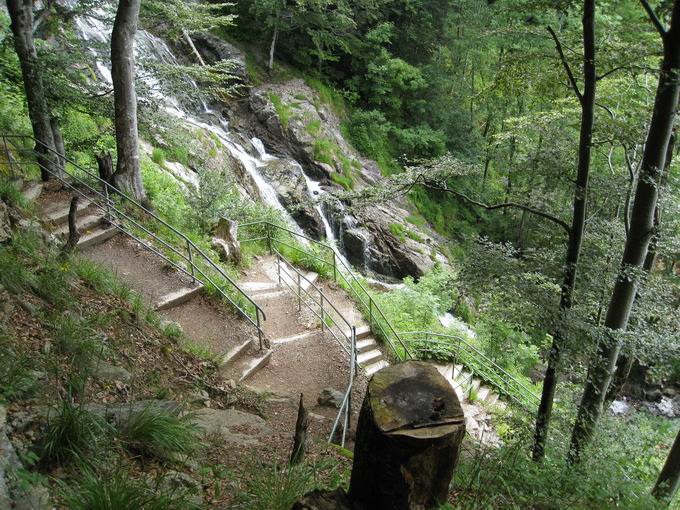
(58, 146)
(21, 14)
(669, 479)
(272, 48)
(577, 226)
(637, 242)
(127, 177)
(625, 363)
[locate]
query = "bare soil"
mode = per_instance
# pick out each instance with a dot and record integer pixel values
(142, 270)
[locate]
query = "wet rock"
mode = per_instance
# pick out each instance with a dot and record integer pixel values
(233, 425)
(653, 395)
(214, 49)
(669, 392)
(620, 408)
(330, 397)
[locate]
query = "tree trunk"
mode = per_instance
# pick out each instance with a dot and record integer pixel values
(73, 234)
(408, 438)
(637, 242)
(577, 227)
(669, 479)
(58, 146)
(127, 176)
(300, 439)
(272, 48)
(21, 14)
(625, 363)
(105, 166)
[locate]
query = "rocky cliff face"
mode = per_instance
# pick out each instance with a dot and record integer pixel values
(315, 158)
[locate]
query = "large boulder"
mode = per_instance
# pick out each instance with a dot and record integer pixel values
(213, 49)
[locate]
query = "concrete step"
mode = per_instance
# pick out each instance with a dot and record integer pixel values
(474, 385)
(255, 287)
(235, 353)
(311, 278)
(491, 398)
(368, 357)
(255, 364)
(84, 224)
(483, 393)
(58, 213)
(363, 332)
(99, 235)
(32, 190)
(374, 367)
(269, 295)
(178, 297)
(293, 338)
(365, 345)
(446, 371)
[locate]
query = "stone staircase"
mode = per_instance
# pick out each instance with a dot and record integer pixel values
(238, 363)
(467, 386)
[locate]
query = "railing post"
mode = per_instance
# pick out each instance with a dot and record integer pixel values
(108, 202)
(9, 158)
(191, 262)
(259, 328)
(322, 320)
(370, 313)
(269, 238)
(335, 269)
(278, 266)
(299, 289)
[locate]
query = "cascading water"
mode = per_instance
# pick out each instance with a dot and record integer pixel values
(150, 48)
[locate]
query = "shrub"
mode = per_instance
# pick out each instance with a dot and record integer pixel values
(158, 156)
(157, 433)
(72, 432)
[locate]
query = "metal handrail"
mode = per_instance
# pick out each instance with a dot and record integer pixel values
(375, 313)
(298, 277)
(484, 363)
(110, 205)
(346, 406)
(486, 368)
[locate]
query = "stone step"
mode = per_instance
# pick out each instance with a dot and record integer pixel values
(311, 278)
(269, 295)
(178, 297)
(363, 332)
(58, 213)
(255, 364)
(84, 224)
(474, 385)
(99, 235)
(368, 357)
(492, 398)
(235, 353)
(365, 345)
(374, 367)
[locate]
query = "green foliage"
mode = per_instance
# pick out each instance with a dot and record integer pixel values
(343, 180)
(155, 432)
(72, 432)
(158, 156)
(511, 349)
(275, 487)
(117, 489)
(15, 373)
(283, 110)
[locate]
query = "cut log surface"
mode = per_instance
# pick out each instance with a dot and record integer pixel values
(408, 439)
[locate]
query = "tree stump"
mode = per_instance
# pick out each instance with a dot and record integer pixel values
(408, 439)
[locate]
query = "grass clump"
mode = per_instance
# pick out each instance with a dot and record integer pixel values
(157, 433)
(118, 490)
(346, 182)
(72, 432)
(15, 374)
(158, 156)
(282, 109)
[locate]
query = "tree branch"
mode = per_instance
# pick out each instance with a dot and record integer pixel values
(522, 207)
(570, 75)
(654, 18)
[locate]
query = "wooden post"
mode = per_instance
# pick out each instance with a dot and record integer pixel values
(408, 438)
(300, 440)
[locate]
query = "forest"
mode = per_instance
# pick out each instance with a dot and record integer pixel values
(212, 213)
